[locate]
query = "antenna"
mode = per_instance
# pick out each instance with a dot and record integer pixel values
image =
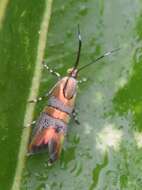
(97, 59)
(79, 48)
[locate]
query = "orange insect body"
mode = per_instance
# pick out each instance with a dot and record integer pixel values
(52, 124)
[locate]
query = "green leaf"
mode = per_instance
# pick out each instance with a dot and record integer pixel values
(104, 151)
(17, 55)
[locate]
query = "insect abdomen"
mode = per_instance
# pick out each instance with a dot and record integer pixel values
(57, 114)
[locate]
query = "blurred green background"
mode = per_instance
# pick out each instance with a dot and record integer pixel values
(105, 151)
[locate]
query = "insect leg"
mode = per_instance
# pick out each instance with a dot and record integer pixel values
(31, 124)
(51, 70)
(39, 98)
(42, 97)
(74, 115)
(82, 80)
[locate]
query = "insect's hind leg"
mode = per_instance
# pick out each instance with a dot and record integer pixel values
(31, 124)
(74, 116)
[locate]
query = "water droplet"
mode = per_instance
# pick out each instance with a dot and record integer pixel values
(43, 186)
(23, 13)
(62, 9)
(138, 55)
(69, 33)
(83, 10)
(51, 45)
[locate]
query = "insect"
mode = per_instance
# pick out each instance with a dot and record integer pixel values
(51, 126)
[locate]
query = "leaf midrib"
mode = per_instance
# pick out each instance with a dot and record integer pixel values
(33, 94)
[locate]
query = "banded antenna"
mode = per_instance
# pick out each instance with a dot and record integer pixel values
(79, 48)
(97, 59)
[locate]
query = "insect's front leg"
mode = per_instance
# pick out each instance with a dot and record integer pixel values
(53, 72)
(82, 80)
(75, 118)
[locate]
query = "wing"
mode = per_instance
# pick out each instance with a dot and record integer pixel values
(47, 139)
(43, 122)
